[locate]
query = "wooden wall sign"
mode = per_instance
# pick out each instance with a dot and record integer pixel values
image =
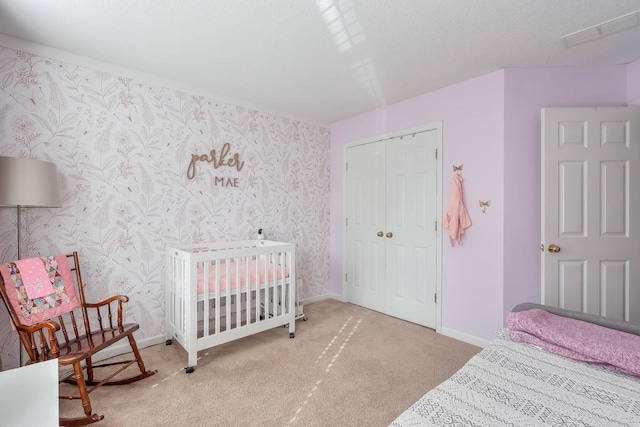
(218, 160)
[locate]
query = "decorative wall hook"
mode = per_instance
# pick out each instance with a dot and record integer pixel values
(484, 205)
(457, 168)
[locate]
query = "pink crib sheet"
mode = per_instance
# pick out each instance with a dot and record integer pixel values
(273, 272)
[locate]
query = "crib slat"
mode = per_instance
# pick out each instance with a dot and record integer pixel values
(181, 296)
(205, 298)
(293, 286)
(247, 293)
(273, 272)
(257, 288)
(237, 293)
(178, 294)
(228, 291)
(265, 268)
(277, 271)
(281, 272)
(216, 313)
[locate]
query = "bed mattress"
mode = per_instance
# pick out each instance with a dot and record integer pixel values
(517, 384)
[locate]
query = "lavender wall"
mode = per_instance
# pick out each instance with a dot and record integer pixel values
(633, 83)
(491, 124)
(527, 91)
(472, 113)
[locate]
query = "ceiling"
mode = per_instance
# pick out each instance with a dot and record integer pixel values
(322, 60)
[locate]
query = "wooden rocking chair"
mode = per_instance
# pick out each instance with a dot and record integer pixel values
(63, 326)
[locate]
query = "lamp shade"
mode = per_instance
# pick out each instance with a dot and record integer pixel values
(28, 183)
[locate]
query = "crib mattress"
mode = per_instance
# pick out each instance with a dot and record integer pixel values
(248, 275)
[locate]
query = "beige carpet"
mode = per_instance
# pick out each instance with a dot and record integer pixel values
(347, 366)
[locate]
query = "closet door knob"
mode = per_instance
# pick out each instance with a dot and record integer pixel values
(389, 235)
(380, 234)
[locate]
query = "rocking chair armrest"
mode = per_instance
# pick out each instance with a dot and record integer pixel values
(37, 338)
(120, 298)
(105, 311)
(51, 325)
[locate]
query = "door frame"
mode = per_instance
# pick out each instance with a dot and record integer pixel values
(436, 126)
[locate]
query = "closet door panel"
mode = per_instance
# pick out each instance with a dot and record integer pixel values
(366, 217)
(411, 215)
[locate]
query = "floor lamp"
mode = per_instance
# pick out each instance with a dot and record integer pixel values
(27, 183)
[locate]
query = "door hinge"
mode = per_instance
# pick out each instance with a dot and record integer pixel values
(435, 298)
(346, 222)
(436, 153)
(436, 226)
(346, 277)
(346, 166)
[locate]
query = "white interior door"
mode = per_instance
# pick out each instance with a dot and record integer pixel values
(391, 237)
(366, 186)
(591, 210)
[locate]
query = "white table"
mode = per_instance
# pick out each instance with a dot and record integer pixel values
(30, 395)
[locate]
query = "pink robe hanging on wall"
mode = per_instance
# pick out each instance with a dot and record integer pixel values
(457, 217)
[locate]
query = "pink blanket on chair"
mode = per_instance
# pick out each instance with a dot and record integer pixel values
(576, 339)
(32, 310)
(243, 271)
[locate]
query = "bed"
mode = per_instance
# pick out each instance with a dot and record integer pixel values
(220, 292)
(512, 382)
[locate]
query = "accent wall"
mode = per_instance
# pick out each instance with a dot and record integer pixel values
(123, 148)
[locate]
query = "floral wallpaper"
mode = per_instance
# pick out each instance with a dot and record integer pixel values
(123, 148)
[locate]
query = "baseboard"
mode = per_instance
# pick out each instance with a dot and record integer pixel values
(461, 336)
(329, 295)
(123, 347)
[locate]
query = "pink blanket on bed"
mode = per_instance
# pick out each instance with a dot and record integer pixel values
(576, 339)
(239, 271)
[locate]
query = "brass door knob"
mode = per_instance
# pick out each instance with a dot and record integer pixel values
(380, 234)
(389, 235)
(554, 249)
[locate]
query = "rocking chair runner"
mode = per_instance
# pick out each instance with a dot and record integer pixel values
(63, 325)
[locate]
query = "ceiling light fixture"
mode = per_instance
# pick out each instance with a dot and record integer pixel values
(606, 28)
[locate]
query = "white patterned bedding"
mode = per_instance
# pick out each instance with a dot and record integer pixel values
(516, 384)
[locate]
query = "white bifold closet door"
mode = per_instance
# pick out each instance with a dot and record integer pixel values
(391, 237)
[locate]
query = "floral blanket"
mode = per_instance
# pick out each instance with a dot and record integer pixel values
(517, 384)
(34, 310)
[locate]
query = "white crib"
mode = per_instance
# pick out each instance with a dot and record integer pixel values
(251, 289)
